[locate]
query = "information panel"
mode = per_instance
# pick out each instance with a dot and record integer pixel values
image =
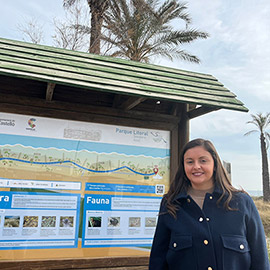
(119, 220)
(36, 220)
(91, 189)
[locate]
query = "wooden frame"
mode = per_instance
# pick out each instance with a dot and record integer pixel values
(111, 263)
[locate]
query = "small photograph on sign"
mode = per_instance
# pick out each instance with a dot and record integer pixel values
(94, 222)
(66, 222)
(150, 222)
(30, 221)
(114, 222)
(48, 221)
(134, 222)
(12, 221)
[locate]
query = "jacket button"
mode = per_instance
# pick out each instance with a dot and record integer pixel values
(188, 200)
(211, 197)
(205, 242)
(207, 219)
(209, 268)
(174, 245)
(242, 246)
(201, 219)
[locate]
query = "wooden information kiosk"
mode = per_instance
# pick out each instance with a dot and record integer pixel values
(88, 147)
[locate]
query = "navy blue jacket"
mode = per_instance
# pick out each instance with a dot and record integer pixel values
(211, 238)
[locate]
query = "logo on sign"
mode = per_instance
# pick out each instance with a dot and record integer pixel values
(31, 124)
(157, 137)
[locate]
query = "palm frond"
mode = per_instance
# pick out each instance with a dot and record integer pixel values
(250, 132)
(68, 3)
(262, 122)
(267, 136)
(143, 29)
(82, 28)
(172, 9)
(267, 122)
(181, 37)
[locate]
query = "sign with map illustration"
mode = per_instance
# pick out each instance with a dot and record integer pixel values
(79, 185)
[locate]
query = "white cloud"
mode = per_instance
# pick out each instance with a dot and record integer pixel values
(222, 123)
(238, 51)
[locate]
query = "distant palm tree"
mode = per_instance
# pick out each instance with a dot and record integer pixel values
(97, 9)
(140, 29)
(262, 122)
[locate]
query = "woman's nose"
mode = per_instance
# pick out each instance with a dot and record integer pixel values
(197, 164)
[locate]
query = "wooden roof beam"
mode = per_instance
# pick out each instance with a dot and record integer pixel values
(175, 108)
(49, 91)
(116, 101)
(200, 111)
(132, 102)
(192, 106)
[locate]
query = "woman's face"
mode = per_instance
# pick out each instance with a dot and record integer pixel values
(199, 168)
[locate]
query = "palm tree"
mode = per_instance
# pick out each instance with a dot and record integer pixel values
(97, 9)
(140, 29)
(261, 122)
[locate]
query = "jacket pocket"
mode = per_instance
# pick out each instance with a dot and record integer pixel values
(236, 252)
(181, 253)
(179, 242)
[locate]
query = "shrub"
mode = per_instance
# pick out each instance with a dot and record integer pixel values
(264, 210)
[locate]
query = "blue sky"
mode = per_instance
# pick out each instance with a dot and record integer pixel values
(237, 54)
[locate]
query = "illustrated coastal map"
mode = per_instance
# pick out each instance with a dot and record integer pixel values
(76, 151)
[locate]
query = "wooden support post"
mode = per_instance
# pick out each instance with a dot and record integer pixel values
(179, 137)
(174, 152)
(49, 91)
(183, 128)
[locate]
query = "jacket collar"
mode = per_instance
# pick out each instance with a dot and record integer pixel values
(183, 194)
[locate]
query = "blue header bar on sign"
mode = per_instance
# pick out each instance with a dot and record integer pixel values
(119, 188)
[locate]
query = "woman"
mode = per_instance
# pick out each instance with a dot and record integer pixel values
(204, 222)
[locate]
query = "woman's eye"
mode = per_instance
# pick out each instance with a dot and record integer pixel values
(189, 162)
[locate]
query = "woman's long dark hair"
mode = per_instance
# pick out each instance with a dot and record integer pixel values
(181, 183)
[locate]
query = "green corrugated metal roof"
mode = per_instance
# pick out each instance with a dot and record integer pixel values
(61, 66)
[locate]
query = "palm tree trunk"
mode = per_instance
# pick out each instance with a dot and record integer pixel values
(97, 9)
(265, 170)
